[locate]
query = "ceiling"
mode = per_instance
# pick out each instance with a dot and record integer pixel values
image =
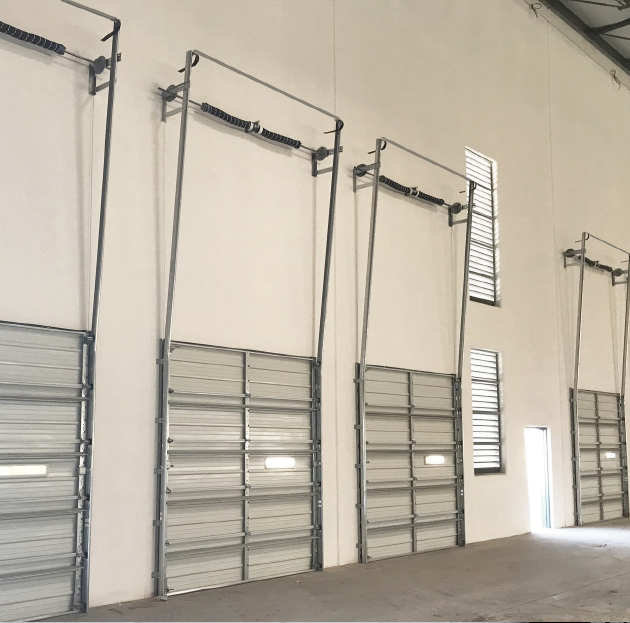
(606, 23)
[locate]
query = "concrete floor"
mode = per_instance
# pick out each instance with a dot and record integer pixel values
(575, 574)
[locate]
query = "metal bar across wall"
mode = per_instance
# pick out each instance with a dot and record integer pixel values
(576, 393)
(90, 337)
(170, 94)
(362, 367)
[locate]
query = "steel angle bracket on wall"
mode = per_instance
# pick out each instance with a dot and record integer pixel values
(380, 181)
(180, 94)
(619, 277)
(48, 342)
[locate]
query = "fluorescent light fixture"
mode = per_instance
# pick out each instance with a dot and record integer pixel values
(279, 462)
(610, 455)
(434, 459)
(23, 470)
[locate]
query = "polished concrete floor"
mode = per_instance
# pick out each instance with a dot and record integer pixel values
(575, 574)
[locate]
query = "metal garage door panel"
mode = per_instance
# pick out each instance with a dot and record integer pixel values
(270, 518)
(602, 476)
(440, 536)
(231, 518)
(54, 597)
(193, 474)
(389, 542)
(285, 429)
(389, 505)
(388, 468)
(194, 571)
(198, 522)
(43, 420)
(411, 504)
(274, 560)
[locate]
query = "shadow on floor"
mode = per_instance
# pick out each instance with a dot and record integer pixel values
(573, 574)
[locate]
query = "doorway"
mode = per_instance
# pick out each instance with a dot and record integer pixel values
(538, 477)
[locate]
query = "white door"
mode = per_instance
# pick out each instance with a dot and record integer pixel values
(538, 481)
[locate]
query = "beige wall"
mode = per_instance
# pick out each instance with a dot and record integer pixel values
(436, 76)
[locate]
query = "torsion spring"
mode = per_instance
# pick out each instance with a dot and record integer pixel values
(410, 192)
(250, 127)
(593, 263)
(22, 35)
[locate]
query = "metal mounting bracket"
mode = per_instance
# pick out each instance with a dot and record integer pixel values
(97, 67)
(575, 258)
(452, 223)
(170, 94)
(615, 278)
(362, 170)
(317, 156)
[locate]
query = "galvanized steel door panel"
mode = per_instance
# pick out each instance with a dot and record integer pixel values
(43, 422)
(601, 469)
(230, 518)
(412, 504)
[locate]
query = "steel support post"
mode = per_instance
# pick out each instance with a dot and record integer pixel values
(363, 544)
(84, 482)
(412, 442)
(575, 432)
(622, 400)
(329, 241)
(598, 441)
(317, 376)
(165, 361)
(316, 470)
(462, 324)
(96, 305)
(459, 458)
(246, 483)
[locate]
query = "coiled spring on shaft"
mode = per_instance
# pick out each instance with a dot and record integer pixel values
(410, 192)
(572, 253)
(221, 114)
(28, 37)
(252, 127)
(395, 185)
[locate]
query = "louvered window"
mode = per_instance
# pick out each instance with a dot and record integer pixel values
(483, 269)
(486, 407)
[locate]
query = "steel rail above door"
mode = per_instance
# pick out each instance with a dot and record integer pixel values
(181, 93)
(576, 392)
(362, 367)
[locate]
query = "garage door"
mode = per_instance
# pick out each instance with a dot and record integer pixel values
(414, 480)
(43, 461)
(601, 475)
(243, 480)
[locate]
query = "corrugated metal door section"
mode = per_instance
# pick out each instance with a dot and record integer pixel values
(232, 518)
(601, 471)
(414, 473)
(43, 471)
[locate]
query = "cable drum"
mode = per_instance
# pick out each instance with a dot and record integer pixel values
(28, 37)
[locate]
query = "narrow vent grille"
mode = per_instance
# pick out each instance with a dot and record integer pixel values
(483, 281)
(486, 409)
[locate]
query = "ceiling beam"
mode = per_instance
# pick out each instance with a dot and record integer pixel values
(610, 27)
(588, 33)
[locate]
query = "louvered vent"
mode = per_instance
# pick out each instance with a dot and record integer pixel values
(484, 366)
(483, 282)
